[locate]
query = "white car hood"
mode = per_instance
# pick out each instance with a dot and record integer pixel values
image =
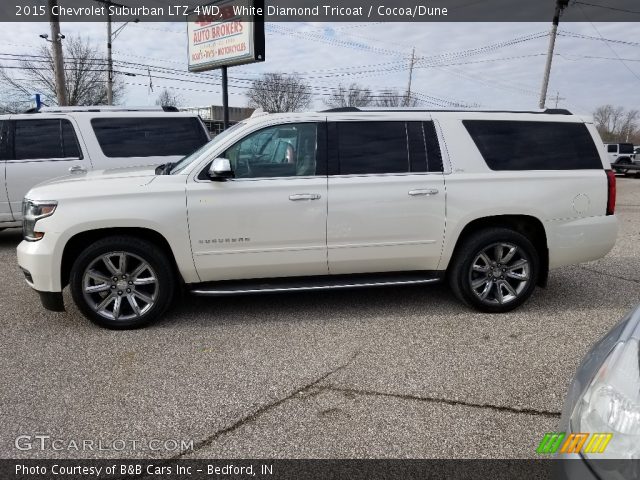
(97, 182)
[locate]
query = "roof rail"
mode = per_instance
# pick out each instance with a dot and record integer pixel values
(102, 108)
(548, 111)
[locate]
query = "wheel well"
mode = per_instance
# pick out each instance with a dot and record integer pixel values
(528, 226)
(80, 241)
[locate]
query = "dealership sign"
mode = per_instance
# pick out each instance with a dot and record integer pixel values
(225, 33)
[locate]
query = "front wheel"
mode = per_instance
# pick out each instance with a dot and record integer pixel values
(495, 270)
(122, 282)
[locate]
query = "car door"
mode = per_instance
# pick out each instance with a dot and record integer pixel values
(270, 220)
(5, 209)
(40, 149)
(386, 209)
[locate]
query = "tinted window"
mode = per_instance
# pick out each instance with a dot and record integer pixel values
(509, 145)
(373, 147)
(148, 137)
(70, 148)
(612, 149)
(434, 155)
(626, 148)
(280, 151)
(43, 139)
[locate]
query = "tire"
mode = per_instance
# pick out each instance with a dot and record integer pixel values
(493, 286)
(623, 171)
(117, 299)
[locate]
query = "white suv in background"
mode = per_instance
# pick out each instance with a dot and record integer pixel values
(621, 154)
(54, 142)
(489, 201)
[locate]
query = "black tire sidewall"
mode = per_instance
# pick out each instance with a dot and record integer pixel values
(143, 249)
(474, 245)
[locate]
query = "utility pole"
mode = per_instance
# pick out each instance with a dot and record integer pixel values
(56, 52)
(560, 6)
(109, 57)
(407, 100)
(225, 97)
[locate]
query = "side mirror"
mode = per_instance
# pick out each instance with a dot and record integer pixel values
(220, 169)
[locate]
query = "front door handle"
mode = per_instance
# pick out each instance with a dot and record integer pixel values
(424, 192)
(77, 169)
(304, 196)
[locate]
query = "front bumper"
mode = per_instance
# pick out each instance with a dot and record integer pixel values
(42, 262)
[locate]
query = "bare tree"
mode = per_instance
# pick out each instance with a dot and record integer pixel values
(352, 96)
(393, 98)
(615, 124)
(168, 98)
(279, 92)
(85, 72)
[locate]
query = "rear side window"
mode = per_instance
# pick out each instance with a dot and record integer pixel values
(509, 145)
(626, 148)
(387, 147)
(612, 149)
(148, 137)
(44, 139)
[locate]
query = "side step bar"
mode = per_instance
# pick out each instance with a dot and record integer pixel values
(305, 284)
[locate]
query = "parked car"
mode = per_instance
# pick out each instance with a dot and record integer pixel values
(621, 154)
(604, 398)
(489, 201)
(54, 142)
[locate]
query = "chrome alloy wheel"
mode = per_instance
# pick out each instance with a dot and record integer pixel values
(120, 286)
(500, 273)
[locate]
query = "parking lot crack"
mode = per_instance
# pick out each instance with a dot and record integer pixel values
(264, 409)
(593, 270)
(461, 403)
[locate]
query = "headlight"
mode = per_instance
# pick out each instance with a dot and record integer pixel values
(32, 211)
(611, 404)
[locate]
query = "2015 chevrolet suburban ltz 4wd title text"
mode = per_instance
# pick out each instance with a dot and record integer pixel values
(488, 200)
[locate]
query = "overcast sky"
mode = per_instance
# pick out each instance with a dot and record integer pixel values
(453, 65)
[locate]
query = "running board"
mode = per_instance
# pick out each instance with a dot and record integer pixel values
(305, 284)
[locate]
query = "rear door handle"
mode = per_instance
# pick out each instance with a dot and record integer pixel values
(424, 192)
(77, 169)
(304, 196)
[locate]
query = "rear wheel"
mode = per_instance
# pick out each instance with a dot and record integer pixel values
(495, 270)
(622, 161)
(122, 282)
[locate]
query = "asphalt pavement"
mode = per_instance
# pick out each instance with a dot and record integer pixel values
(395, 372)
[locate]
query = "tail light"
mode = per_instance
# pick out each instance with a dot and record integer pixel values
(611, 192)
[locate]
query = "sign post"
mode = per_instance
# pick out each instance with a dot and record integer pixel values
(225, 33)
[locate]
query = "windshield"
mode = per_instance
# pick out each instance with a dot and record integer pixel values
(182, 164)
(626, 148)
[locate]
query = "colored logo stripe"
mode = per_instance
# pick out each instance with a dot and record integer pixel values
(574, 443)
(598, 443)
(550, 443)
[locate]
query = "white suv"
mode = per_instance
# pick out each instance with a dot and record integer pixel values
(55, 142)
(305, 201)
(621, 155)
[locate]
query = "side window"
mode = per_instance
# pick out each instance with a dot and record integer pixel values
(148, 137)
(70, 147)
(434, 154)
(612, 148)
(44, 139)
(516, 145)
(280, 151)
(373, 148)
